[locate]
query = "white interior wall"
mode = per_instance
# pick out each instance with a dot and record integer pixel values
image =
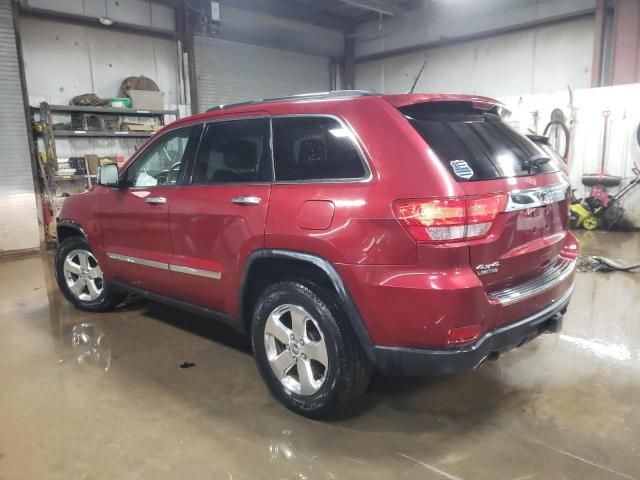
(438, 20)
(63, 60)
(622, 149)
(534, 60)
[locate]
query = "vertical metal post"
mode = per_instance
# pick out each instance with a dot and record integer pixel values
(348, 80)
(598, 44)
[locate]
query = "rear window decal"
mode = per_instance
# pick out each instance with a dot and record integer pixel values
(461, 168)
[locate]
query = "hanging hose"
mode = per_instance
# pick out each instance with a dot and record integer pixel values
(556, 126)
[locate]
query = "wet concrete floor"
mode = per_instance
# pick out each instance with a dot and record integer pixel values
(101, 396)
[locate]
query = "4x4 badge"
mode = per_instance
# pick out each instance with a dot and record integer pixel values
(461, 168)
(486, 268)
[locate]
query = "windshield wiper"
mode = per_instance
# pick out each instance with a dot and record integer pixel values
(535, 162)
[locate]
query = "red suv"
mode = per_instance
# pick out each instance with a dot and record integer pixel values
(416, 234)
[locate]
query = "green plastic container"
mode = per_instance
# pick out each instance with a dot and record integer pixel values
(126, 102)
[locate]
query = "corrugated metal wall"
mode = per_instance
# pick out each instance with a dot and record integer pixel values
(228, 72)
(18, 217)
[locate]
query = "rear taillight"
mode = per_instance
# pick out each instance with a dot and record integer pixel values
(449, 219)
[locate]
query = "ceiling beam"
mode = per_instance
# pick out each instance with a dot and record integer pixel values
(293, 11)
(377, 6)
(85, 21)
(405, 7)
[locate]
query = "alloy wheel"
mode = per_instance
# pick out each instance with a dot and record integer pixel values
(296, 349)
(83, 275)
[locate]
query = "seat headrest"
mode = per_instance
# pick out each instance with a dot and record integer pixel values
(312, 151)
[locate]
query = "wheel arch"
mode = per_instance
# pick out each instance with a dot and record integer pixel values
(68, 228)
(266, 266)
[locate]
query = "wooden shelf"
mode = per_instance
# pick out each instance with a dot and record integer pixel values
(60, 178)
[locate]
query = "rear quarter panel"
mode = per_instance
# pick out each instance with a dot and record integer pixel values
(364, 229)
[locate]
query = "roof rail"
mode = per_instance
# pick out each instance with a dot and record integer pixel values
(302, 96)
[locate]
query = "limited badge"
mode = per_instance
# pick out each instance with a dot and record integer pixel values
(487, 268)
(461, 168)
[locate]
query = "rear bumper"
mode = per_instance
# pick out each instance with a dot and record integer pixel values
(417, 361)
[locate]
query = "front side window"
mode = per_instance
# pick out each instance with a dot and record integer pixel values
(314, 148)
(161, 162)
(235, 151)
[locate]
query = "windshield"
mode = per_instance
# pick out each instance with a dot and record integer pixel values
(476, 144)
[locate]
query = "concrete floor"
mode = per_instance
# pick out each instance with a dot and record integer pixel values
(116, 405)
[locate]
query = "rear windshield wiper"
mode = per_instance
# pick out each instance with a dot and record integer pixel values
(535, 162)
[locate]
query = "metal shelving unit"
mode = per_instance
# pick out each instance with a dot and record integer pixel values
(45, 147)
(100, 134)
(124, 112)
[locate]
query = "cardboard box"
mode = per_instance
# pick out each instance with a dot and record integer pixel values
(135, 127)
(146, 100)
(94, 161)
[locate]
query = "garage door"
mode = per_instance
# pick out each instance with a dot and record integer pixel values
(18, 220)
(229, 72)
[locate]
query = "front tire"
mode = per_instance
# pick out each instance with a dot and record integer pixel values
(81, 279)
(306, 351)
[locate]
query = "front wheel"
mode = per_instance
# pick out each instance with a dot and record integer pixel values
(81, 279)
(591, 222)
(306, 351)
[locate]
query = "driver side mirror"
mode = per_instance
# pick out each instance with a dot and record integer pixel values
(108, 175)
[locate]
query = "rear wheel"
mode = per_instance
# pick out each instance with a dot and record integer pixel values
(305, 350)
(81, 279)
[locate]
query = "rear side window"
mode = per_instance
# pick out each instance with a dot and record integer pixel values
(314, 148)
(476, 144)
(234, 151)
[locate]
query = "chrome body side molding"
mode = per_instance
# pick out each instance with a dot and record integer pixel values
(138, 261)
(198, 272)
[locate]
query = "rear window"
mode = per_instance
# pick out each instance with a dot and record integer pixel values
(314, 148)
(476, 144)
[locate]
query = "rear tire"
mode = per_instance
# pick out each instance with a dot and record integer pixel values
(80, 277)
(306, 351)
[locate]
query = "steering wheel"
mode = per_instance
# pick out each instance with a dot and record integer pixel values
(170, 175)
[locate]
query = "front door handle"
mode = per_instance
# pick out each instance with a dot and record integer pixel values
(242, 200)
(156, 200)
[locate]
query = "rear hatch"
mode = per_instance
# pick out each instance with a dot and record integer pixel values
(496, 166)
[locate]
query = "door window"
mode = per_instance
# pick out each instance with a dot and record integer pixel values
(235, 151)
(315, 148)
(161, 162)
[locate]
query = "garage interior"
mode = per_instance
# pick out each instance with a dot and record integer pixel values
(149, 391)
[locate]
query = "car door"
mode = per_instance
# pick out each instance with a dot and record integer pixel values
(220, 217)
(134, 219)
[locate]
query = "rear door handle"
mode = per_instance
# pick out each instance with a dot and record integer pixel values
(242, 200)
(156, 200)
